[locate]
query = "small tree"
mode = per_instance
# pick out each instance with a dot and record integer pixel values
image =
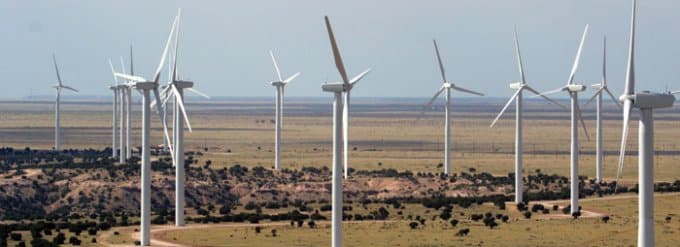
(454, 222)
(59, 239)
(15, 236)
(413, 225)
(273, 232)
(73, 240)
(311, 224)
(463, 232)
(257, 229)
(527, 215)
(605, 219)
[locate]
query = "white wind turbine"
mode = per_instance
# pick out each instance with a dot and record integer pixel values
(146, 86)
(446, 86)
(338, 88)
(601, 89)
(517, 97)
(116, 91)
(646, 102)
(573, 89)
(175, 89)
(280, 86)
(58, 87)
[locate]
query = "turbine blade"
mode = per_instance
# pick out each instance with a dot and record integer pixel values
(175, 58)
(163, 97)
(132, 67)
(199, 93)
(439, 59)
(157, 75)
(578, 56)
(132, 78)
(598, 92)
(291, 78)
(158, 99)
(336, 53)
(54, 59)
(276, 65)
(113, 72)
(122, 65)
(180, 102)
(583, 123)
(359, 77)
(624, 138)
(604, 62)
(618, 104)
(460, 89)
(630, 73)
(70, 88)
(545, 97)
(429, 104)
(549, 92)
(505, 107)
(519, 58)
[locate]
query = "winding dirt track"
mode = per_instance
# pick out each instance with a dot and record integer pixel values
(157, 232)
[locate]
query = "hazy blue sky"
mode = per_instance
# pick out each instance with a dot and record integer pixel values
(225, 43)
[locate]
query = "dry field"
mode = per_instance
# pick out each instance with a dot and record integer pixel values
(385, 133)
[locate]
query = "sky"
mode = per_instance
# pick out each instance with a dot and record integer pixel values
(224, 44)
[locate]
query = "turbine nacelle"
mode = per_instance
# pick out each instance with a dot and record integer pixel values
(277, 83)
(335, 87)
(649, 100)
(183, 84)
(575, 88)
(517, 85)
(146, 85)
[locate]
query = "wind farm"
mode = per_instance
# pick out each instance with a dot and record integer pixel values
(146, 159)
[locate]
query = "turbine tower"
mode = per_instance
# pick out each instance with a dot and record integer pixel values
(601, 89)
(646, 102)
(123, 109)
(573, 89)
(517, 97)
(280, 86)
(446, 86)
(58, 87)
(175, 89)
(124, 119)
(146, 87)
(116, 90)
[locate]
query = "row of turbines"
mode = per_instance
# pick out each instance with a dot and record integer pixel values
(173, 92)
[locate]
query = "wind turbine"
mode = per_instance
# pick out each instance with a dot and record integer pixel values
(340, 114)
(116, 90)
(517, 97)
(446, 86)
(280, 86)
(146, 87)
(573, 89)
(58, 87)
(175, 89)
(646, 102)
(601, 89)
